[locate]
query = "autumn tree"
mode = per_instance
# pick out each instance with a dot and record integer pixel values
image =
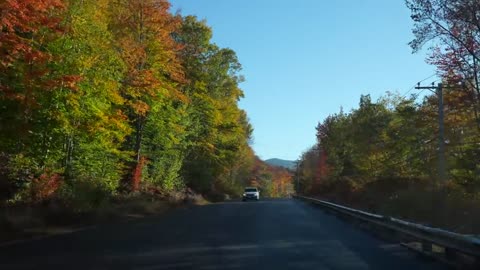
(98, 96)
(27, 26)
(26, 87)
(91, 124)
(218, 130)
(455, 28)
(143, 31)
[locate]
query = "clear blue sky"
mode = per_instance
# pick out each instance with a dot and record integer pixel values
(304, 59)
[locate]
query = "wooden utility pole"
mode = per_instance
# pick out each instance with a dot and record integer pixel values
(442, 170)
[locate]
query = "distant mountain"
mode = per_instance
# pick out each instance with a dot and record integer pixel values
(289, 164)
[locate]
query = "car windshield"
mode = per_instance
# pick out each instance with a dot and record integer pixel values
(131, 126)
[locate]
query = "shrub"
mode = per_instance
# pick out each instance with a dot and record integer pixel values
(84, 194)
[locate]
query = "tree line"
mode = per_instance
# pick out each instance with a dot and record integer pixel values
(383, 155)
(99, 97)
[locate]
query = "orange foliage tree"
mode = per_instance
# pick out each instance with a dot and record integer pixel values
(144, 33)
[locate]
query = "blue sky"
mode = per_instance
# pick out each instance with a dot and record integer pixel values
(305, 59)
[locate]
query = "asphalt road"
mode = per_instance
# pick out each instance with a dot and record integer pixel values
(270, 234)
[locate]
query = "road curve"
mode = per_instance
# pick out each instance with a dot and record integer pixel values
(269, 234)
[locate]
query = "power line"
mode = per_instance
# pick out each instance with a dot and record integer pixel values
(413, 87)
(418, 94)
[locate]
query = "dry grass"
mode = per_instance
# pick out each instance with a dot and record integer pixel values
(23, 222)
(448, 207)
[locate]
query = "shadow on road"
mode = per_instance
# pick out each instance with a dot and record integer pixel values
(268, 234)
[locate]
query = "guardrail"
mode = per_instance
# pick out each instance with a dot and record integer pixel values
(459, 250)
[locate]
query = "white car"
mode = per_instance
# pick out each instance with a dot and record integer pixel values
(251, 193)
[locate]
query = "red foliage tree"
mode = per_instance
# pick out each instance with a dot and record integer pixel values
(21, 22)
(27, 27)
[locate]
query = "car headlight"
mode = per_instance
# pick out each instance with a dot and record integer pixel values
(244, 194)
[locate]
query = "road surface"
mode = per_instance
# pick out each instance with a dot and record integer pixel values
(270, 234)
